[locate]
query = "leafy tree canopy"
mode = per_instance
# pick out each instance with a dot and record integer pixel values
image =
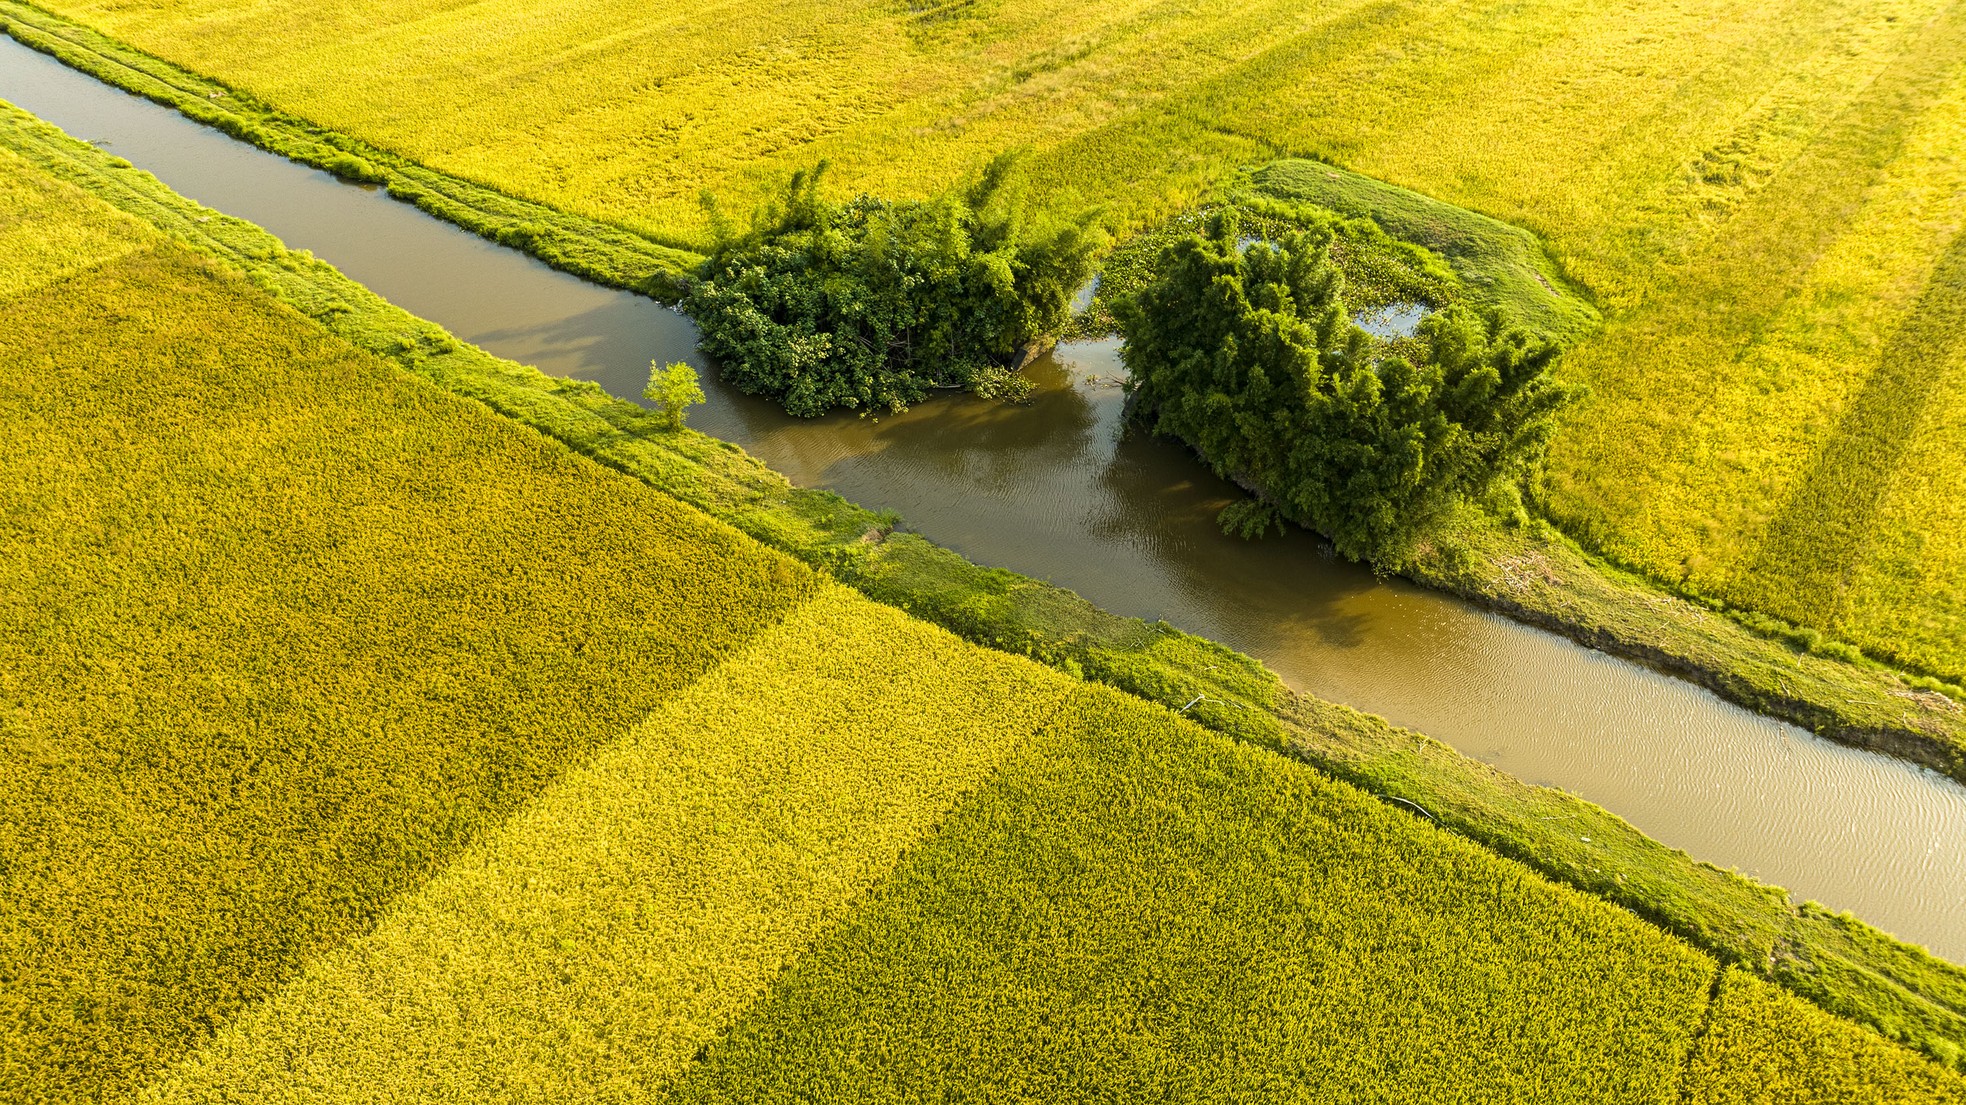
(870, 304)
(673, 389)
(1243, 349)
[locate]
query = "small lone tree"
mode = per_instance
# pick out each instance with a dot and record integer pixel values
(673, 390)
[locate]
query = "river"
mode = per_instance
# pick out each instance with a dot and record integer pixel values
(1057, 489)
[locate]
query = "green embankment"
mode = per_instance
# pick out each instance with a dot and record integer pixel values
(1503, 267)
(1897, 990)
(1764, 664)
(1144, 910)
(280, 629)
(589, 948)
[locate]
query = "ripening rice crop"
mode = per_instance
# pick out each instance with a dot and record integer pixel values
(1765, 1046)
(1766, 200)
(587, 950)
(49, 230)
(1141, 910)
(281, 629)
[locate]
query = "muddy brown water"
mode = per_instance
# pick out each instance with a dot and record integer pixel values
(1058, 490)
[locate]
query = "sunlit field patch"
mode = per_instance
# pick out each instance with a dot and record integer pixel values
(1139, 910)
(588, 949)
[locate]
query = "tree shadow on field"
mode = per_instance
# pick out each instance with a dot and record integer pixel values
(1824, 531)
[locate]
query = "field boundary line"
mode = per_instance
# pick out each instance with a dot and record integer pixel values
(1698, 1040)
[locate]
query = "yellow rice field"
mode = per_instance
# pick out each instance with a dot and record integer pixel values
(358, 744)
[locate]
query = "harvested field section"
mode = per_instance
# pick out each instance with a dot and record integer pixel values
(281, 629)
(586, 951)
(1768, 1047)
(1139, 909)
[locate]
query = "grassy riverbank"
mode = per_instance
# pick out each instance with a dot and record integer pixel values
(592, 250)
(365, 745)
(1896, 989)
(1769, 665)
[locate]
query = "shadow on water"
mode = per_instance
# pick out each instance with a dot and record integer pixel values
(1056, 490)
(608, 343)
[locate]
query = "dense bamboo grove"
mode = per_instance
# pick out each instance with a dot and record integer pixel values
(280, 630)
(1762, 197)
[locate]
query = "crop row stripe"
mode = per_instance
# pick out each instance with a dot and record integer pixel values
(616, 925)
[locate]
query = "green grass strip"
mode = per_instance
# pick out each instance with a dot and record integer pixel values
(1503, 266)
(1143, 910)
(591, 947)
(281, 629)
(1767, 1047)
(1855, 971)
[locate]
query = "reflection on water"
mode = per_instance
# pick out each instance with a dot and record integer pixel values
(1399, 320)
(1058, 490)
(1082, 299)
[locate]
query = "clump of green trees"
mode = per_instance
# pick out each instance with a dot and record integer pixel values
(1243, 349)
(871, 304)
